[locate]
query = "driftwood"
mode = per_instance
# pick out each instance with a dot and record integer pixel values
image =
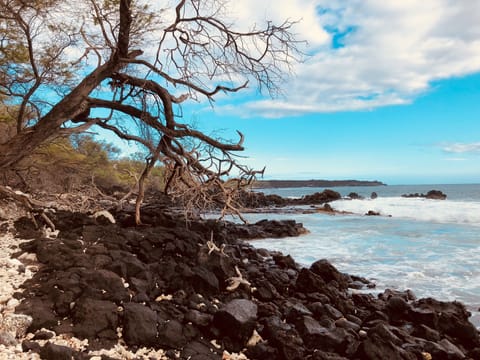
(33, 206)
(77, 202)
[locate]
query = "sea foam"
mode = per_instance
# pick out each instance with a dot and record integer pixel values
(440, 211)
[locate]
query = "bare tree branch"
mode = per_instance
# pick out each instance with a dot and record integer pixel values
(198, 55)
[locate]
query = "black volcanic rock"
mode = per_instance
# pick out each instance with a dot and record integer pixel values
(237, 319)
(436, 195)
(329, 273)
(432, 194)
(168, 287)
(95, 319)
(355, 196)
(140, 325)
(320, 197)
(254, 200)
(56, 352)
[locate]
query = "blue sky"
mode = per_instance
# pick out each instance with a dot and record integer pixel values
(435, 139)
(391, 92)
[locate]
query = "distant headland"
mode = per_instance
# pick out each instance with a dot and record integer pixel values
(267, 184)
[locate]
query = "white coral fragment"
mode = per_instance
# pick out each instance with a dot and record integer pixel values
(106, 214)
(213, 247)
(233, 356)
(236, 281)
(254, 339)
(164, 297)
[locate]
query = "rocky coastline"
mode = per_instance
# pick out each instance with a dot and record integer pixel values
(196, 289)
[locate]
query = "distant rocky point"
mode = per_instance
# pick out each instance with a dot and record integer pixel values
(267, 184)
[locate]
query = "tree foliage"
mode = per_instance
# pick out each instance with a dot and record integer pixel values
(79, 165)
(127, 66)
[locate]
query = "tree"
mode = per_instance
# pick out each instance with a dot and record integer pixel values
(120, 82)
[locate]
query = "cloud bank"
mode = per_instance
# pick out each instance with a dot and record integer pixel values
(369, 53)
(462, 148)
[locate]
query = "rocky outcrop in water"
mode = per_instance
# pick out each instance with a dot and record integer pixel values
(432, 194)
(253, 200)
(200, 291)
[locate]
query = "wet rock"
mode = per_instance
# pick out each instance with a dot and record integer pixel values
(320, 197)
(432, 194)
(258, 199)
(284, 262)
(308, 282)
(406, 295)
(280, 228)
(436, 195)
(329, 273)
(397, 308)
(355, 196)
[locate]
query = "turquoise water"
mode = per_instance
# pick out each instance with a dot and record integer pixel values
(429, 246)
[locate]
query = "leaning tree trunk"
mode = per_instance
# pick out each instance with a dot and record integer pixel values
(150, 163)
(49, 126)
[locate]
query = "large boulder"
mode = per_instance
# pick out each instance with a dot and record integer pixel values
(140, 325)
(320, 197)
(237, 319)
(95, 319)
(329, 273)
(435, 195)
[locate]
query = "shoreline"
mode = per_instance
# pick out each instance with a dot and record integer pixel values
(316, 304)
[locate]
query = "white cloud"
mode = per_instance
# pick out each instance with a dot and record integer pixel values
(392, 51)
(455, 159)
(249, 12)
(461, 148)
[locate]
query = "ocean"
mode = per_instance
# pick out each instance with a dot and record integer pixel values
(429, 246)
